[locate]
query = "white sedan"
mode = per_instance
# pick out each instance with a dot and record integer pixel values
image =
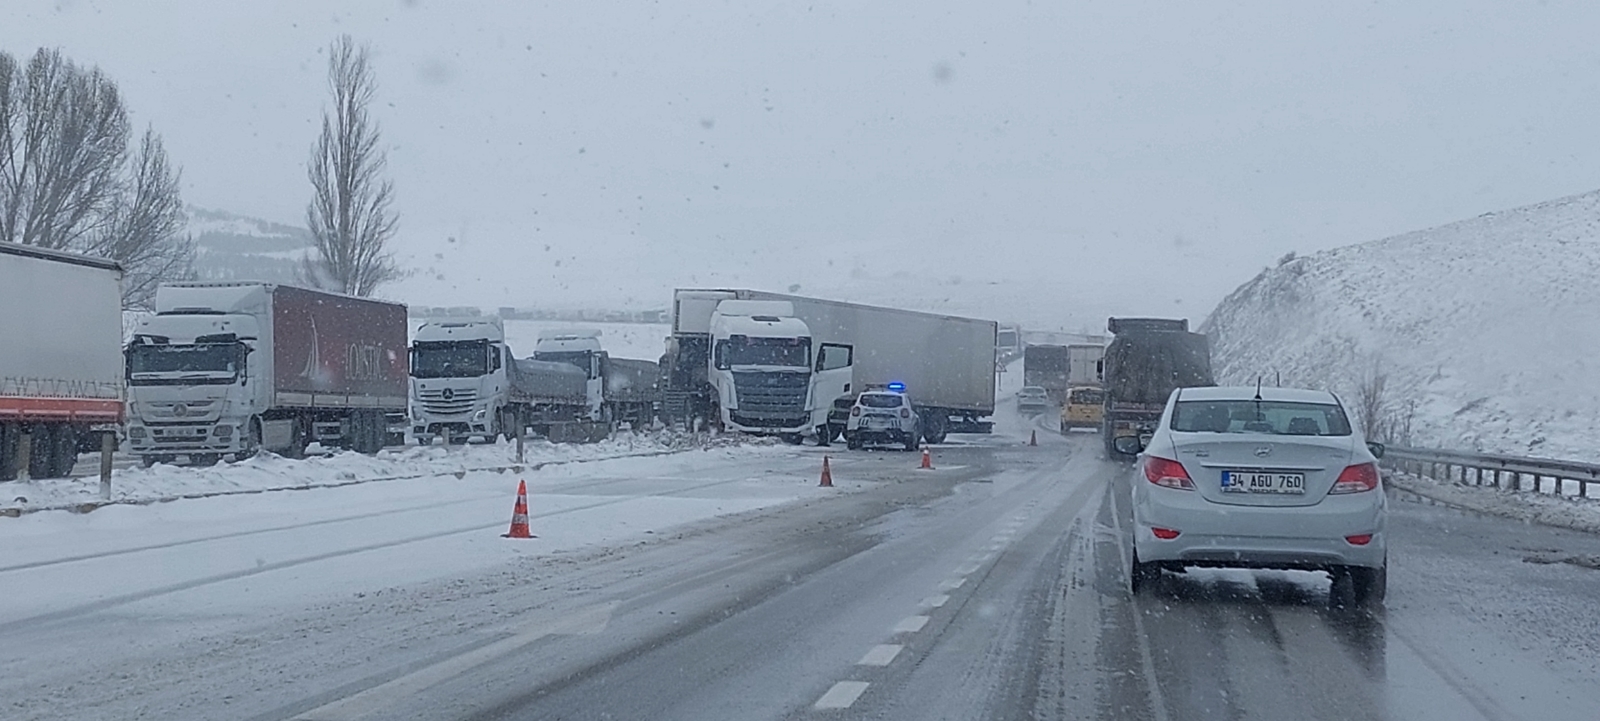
(1260, 478)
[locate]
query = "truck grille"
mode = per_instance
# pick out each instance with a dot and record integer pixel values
(447, 401)
(771, 395)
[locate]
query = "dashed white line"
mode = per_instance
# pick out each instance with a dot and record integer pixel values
(880, 655)
(842, 695)
(950, 584)
(967, 569)
(935, 601)
(911, 624)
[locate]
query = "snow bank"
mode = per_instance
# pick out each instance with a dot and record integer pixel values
(269, 472)
(1579, 514)
(1486, 326)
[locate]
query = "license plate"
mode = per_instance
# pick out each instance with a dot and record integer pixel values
(1257, 482)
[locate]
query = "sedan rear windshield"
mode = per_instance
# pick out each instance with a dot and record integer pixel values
(880, 400)
(1281, 418)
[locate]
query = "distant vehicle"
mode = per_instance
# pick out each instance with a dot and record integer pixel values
(1032, 399)
(1146, 360)
(1047, 366)
(1259, 478)
(1085, 364)
(232, 368)
(466, 383)
(1085, 408)
(785, 359)
(882, 417)
(61, 372)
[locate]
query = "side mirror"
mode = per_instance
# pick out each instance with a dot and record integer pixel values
(1376, 448)
(1128, 445)
(847, 387)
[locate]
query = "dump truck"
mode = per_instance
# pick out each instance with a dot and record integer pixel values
(1147, 359)
(234, 368)
(61, 379)
(467, 384)
(1047, 366)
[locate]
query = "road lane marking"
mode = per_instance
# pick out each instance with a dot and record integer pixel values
(911, 624)
(587, 621)
(951, 584)
(842, 695)
(968, 569)
(880, 655)
(935, 601)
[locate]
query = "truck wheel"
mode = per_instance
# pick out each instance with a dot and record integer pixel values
(299, 438)
(934, 429)
(64, 451)
(852, 442)
(252, 442)
(42, 453)
(910, 441)
(10, 434)
(824, 436)
(793, 439)
(204, 460)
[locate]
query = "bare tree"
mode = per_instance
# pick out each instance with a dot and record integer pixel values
(349, 214)
(146, 234)
(66, 180)
(1372, 402)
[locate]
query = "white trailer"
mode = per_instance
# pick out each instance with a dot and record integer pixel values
(1085, 365)
(60, 357)
(947, 363)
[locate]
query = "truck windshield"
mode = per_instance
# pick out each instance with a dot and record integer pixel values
(746, 351)
(150, 364)
(1251, 416)
(577, 359)
(450, 359)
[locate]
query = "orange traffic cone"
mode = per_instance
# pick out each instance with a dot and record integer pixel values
(519, 514)
(927, 459)
(1033, 438)
(827, 475)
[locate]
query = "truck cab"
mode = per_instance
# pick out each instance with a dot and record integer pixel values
(767, 376)
(193, 375)
(580, 349)
(458, 380)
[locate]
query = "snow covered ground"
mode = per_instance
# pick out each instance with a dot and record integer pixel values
(269, 472)
(1487, 326)
(1582, 514)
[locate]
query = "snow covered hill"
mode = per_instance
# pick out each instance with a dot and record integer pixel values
(1488, 328)
(237, 247)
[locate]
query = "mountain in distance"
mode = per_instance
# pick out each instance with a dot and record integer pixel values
(229, 246)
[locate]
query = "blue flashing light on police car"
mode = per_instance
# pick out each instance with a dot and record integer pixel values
(897, 387)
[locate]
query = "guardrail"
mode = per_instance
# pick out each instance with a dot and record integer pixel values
(1501, 471)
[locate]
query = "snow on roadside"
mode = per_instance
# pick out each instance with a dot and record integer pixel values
(269, 472)
(1530, 507)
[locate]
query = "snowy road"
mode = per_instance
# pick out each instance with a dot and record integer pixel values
(724, 585)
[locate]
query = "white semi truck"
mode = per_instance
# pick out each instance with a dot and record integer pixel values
(466, 383)
(60, 358)
(778, 364)
(232, 368)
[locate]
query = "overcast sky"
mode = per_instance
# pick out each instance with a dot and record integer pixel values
(1119, 155)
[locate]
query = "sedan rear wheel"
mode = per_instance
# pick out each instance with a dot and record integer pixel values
(1142, 575)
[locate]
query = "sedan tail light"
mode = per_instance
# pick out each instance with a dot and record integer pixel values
(1360, 539)
(1356, 479)
(1165, 534)
(1167, 472)
(856, 411)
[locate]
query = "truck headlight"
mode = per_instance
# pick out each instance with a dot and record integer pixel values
(224, 431)
(480, 414)
(136, 432)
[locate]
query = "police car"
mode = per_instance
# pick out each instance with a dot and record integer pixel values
(883, 417)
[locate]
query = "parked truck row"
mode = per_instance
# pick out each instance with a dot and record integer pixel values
(230, 369)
